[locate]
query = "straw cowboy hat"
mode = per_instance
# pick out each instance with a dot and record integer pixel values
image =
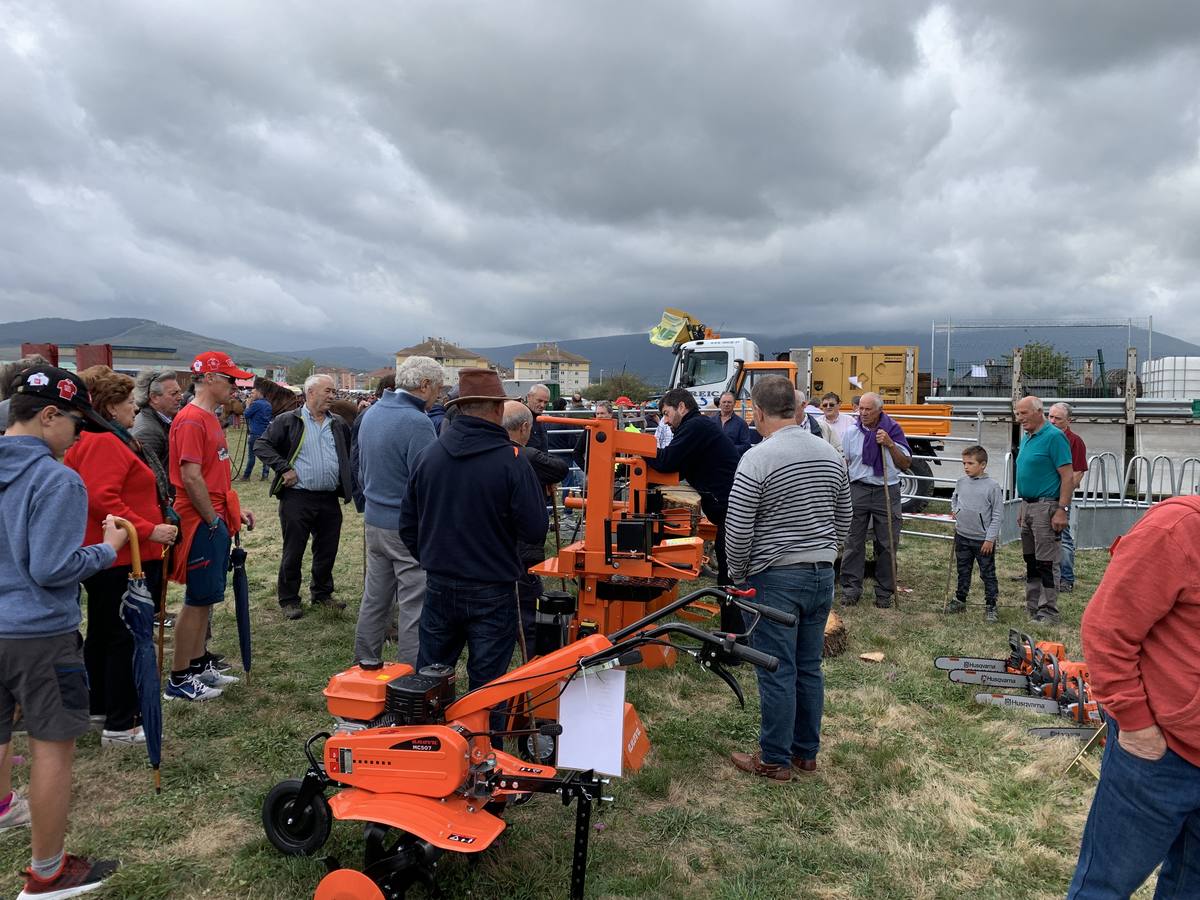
(478, 384)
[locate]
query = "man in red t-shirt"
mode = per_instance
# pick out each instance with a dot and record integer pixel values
(1060, 418)
(209, 514)
(1141, 640)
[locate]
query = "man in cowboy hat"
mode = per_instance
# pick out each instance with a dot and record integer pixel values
(470, 500)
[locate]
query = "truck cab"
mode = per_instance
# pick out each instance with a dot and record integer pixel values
(708, 368)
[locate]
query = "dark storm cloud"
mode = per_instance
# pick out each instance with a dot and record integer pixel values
(370, 173)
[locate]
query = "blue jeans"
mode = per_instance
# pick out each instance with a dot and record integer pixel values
(792, 698)
(478, 615)
(251, 459)
(1067, 564)
(1144, 813)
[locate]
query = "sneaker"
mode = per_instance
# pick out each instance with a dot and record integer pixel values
(1066, 587)
(192, 688)
(17, 814)
(752, 763)
(134, 735)
(96, 722)
(214, 678)
(292, 611)
(956, 606)
(883, 602)
(217, 661)
(168, 622)
(77, 876)
(989, 614)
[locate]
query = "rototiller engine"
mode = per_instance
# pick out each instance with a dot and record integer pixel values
(423, 771)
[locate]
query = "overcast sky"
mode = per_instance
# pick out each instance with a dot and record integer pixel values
(298, 174)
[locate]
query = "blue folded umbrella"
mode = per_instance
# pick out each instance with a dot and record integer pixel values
(137, 612)
(241, 600)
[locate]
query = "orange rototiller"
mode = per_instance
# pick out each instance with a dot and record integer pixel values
(423, 769)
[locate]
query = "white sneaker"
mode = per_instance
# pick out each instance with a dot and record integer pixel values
(214, 678)
(17, 813)
(134, 735)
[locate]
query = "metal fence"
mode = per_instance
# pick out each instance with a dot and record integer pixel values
(1074, 376)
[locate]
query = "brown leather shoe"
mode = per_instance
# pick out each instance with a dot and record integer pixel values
(807, 766)
(752, 763)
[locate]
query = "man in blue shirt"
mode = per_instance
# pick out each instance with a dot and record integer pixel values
(309, 450)
(733, 425)
(1045, 485)
(258, 420)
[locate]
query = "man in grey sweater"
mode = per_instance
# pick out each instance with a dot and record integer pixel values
(789, 511)
(392, 435)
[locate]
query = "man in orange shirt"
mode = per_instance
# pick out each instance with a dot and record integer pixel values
(1141, 639)
(209, 514)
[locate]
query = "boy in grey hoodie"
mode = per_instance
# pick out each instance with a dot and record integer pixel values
(978, 507)
(43, 510)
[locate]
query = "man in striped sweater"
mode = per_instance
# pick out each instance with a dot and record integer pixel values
(789, 511)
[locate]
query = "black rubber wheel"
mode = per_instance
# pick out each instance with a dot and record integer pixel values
(296, 832)
(917, 480)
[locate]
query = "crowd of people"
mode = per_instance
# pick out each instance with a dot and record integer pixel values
(453, 484)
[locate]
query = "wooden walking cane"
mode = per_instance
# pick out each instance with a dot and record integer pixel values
(887, 504)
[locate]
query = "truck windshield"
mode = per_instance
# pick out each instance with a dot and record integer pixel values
(705, 367)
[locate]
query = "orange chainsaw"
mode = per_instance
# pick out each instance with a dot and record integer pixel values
(423, 769)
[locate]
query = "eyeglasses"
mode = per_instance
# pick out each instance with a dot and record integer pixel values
(829, 405)
(228, 378)
(78, 420)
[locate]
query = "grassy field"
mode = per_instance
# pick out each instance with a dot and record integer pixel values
(920, 794)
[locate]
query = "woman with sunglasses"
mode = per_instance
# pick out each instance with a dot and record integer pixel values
(123, 479)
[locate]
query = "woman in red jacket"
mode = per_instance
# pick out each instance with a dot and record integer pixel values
(122, 480)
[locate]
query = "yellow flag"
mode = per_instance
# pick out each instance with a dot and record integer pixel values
(671, 329)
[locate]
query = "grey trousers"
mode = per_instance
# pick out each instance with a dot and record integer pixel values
(1041, 546)
(394, 580)
(870, 513)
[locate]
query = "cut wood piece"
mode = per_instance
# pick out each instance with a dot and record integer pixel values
(836, 636)
(874, 656)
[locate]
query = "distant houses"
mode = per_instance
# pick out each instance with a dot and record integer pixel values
(551, 364)
(449, 356)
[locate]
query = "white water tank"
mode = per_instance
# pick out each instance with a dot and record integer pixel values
(1172, 378)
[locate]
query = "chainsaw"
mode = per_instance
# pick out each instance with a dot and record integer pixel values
(1024, 657)
(1052, 678)
(422, 769)
(1074, 702)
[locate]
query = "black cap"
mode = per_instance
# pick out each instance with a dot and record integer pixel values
(60, 388)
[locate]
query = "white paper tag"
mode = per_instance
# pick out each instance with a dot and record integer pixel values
(591, 712)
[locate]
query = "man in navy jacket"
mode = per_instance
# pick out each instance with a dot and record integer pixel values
(471, 499)
(704, 457)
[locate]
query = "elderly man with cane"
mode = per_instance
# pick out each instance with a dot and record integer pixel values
(876, 452)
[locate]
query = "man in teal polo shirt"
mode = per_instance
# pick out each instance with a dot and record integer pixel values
(1045, 486)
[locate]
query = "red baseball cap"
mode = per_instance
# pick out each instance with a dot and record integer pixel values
(221, 363)
(623, 401)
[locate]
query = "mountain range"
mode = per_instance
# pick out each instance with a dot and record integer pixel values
(631, 353)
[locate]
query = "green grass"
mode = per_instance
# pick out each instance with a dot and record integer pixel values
(921, 794)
